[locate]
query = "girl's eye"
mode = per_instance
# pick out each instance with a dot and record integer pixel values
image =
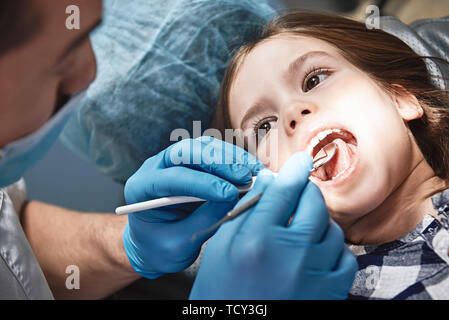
(314, 79)
(263, 126)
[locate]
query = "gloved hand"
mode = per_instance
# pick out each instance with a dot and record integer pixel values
(258, 255)
(159, 241)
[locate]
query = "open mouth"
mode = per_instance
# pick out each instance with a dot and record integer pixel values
(343, 162)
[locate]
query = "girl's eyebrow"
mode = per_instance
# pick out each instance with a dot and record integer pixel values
(291, 72)
(298, 62)
(250, 113)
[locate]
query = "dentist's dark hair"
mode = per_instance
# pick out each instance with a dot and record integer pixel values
(386, 59)
(18, 23)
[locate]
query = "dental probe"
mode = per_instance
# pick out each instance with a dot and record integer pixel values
(168, 201)
(319, 160)
(322, 157)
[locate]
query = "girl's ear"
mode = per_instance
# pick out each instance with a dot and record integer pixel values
(407, 104)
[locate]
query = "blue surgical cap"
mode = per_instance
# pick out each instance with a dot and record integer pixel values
(160, 64)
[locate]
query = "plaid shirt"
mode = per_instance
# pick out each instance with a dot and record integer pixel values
(415, 266)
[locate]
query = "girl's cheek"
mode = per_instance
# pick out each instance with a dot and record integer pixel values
(272, 151)
(263, 154)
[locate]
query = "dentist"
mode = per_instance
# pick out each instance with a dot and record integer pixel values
(44, 68)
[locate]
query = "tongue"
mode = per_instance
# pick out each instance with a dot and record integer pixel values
(341, 160)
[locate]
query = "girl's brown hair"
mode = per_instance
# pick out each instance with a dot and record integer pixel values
(386, 59)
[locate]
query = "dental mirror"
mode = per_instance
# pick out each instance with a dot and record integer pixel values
(324, 155)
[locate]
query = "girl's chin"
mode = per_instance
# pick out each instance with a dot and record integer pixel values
(349, 205)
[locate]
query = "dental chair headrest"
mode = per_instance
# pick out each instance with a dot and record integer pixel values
(428, 37)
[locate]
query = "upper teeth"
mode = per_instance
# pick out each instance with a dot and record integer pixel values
(319, 137)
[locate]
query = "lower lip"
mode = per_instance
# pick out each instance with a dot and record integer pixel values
(340, 179)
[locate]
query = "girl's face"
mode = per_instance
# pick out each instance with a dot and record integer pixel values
(304, 95)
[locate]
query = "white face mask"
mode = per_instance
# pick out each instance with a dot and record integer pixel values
(18, 156)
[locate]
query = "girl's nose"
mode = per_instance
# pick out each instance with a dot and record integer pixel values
(294, 115)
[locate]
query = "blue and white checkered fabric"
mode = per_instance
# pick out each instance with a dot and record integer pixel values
(415, 266)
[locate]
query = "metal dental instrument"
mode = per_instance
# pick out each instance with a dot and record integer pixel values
(320, 159)
(167, 201)
(324, 155)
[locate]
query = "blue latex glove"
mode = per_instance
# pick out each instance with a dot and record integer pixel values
(258, 256)
(159, 241)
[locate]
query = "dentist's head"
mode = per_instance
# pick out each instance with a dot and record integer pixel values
(42, 63)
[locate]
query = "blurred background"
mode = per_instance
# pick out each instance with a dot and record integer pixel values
(64, 179)
(406, 10)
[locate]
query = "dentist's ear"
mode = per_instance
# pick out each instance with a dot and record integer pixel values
(407, 104)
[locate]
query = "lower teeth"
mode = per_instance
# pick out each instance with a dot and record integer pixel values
(339, 174)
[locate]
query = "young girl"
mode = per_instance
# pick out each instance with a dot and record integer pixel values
(312, 79)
